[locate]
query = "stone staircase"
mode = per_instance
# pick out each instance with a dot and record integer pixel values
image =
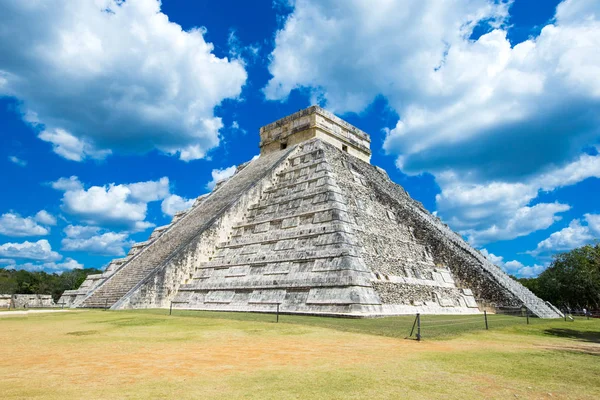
(185, 228)
(295, 247)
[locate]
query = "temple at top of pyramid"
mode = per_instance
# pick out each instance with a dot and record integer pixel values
(310, 227)
(315, 122)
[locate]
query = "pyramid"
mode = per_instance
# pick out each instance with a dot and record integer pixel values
(310, 227)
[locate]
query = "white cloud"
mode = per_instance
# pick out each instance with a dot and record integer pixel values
(44, 217)
(494, 123)
(494, 259)
(573, 236)
(220, 175)
(40, 251)
(174, 203)
(70, 147)
(67, 184)
(514, 267)
(94, 240)
(80, 231)
(150, 190)
(593, 222)
(67, 265)
(119, 206)
(18, 161)
(490, 211)
(235, 126)
(14, 225)
(462, 103)
(115, 75)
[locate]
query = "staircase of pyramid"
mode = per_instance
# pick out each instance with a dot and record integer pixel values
(301, 247)
(186, 226)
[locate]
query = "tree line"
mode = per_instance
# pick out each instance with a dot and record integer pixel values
(572, 280)
(39, 282)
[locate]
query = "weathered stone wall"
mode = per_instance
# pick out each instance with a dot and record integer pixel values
(403, 267)
(32, 301)
(293, 246)
(470, 269)
(220, 211)
(301, 245)
(315, 122)
(5, 300)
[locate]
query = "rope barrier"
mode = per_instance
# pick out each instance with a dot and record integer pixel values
(454, 320)
(500, 319)
(457, 323)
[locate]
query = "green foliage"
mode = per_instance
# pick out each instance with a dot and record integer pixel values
(40, 282)
(573, 279)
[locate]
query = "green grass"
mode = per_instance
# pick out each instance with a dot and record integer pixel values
(149, 354)
(432, 326)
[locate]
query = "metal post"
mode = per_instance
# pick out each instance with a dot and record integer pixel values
(418, 327)
(413, 327)
(485, 317)
(527, 314)
(565, 314)
(277, 312)
(105, 304)
(171, 308)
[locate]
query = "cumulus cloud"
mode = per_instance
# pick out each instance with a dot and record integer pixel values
(174, 203)
(40, 251)
(67, 265)
(573, 236)
(220, 175)
(462, 103)
(67, 184)
(94, 240)
(71, 147)
(495, 123)
(18, 161)
(14, 225)
(44, 217)
(96, 76)
(514, 267)
(150, 190)
(497, 210)
(119, 206)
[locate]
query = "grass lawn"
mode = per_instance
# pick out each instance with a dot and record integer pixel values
(201, 355)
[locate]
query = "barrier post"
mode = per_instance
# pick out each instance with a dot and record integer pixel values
(413, 327)
(485, 317)
(418, 327)
(171, 308)
(277, 312)
(527, 314)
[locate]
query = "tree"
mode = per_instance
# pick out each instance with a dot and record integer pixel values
(25, 282)
(573, 279)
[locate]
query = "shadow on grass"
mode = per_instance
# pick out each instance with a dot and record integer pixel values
(584, 336)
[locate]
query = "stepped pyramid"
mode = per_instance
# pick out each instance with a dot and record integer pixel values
(312, 226)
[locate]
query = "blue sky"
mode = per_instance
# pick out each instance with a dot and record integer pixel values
(114, 115)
